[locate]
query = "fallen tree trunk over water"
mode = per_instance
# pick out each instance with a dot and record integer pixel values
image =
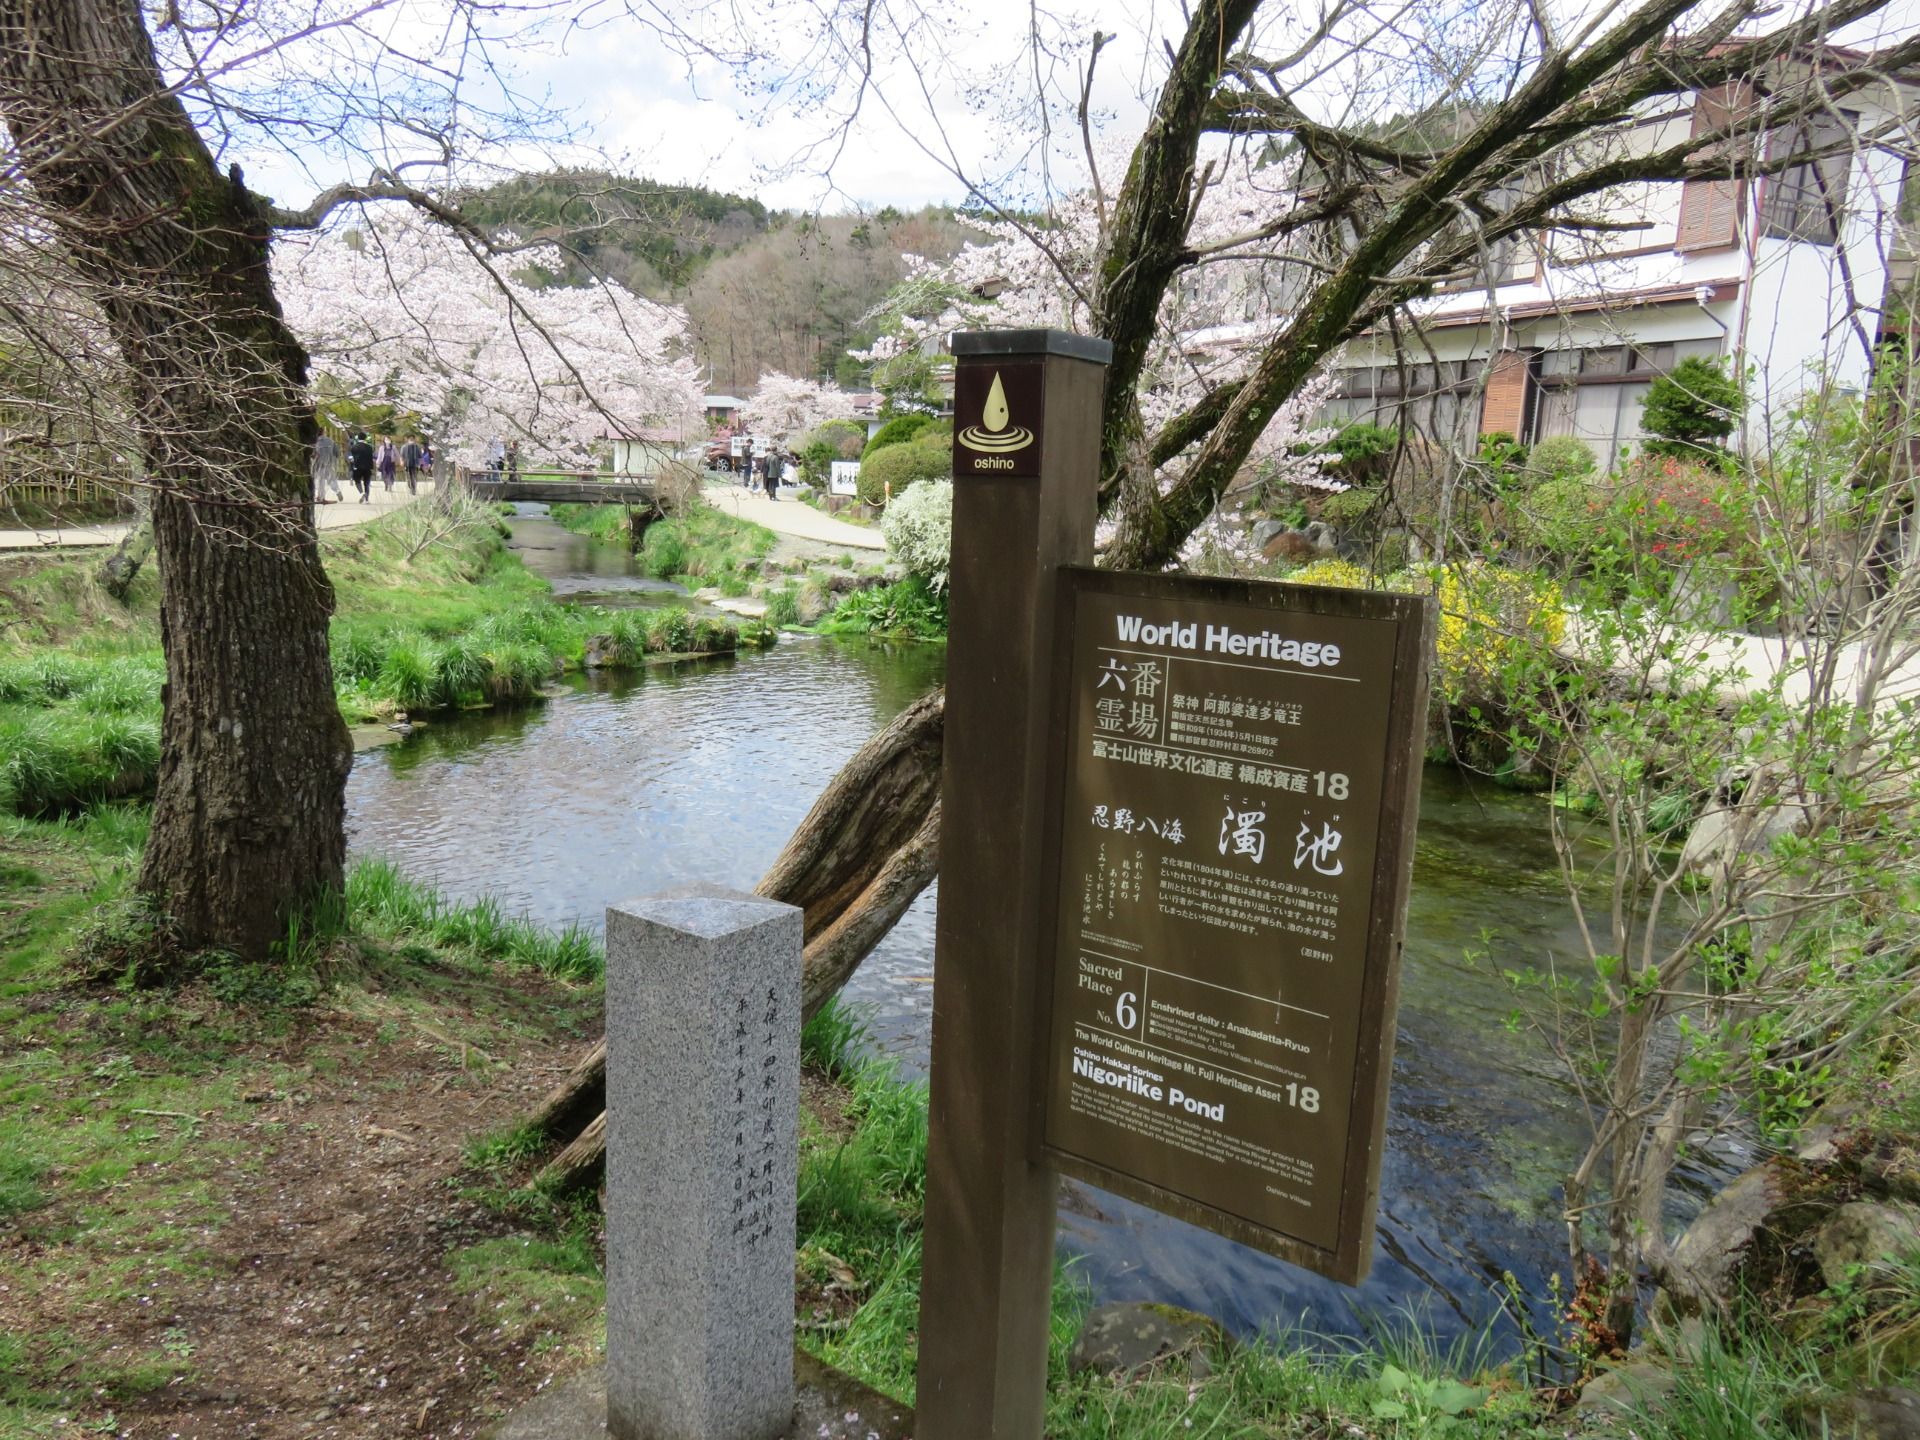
(867, 848)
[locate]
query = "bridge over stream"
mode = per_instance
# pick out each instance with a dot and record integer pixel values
(564, 488)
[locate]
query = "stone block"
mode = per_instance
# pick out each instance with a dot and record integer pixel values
(703, 1067)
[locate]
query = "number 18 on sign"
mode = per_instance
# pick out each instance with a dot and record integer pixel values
(1235, 819)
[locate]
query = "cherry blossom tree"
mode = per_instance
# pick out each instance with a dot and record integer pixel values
(1201, 339)
(405, 310)
(786, 407)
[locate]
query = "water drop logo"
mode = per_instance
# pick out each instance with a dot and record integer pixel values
(994, 435)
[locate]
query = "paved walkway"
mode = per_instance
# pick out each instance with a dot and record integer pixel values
(1743, 666)
(333, 515)
(790, 517)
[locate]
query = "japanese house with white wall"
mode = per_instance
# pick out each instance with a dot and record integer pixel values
(1786, 275)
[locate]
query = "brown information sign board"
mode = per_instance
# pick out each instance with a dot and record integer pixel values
(1234, 840)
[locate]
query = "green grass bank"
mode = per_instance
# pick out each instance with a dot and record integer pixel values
(701, 546)
(432, 613)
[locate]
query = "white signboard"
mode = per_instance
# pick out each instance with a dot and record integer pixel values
(845, 478)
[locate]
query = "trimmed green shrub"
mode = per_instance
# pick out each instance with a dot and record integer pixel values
(1364, 452)
(897, 431)
(1691, 410)
(1560, 457)
(824, 444)
(928, 456)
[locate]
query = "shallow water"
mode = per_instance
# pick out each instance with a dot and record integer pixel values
(699, 772)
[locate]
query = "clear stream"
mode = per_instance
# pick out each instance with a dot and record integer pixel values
(700, 771)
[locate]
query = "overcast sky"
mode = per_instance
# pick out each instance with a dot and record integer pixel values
(770, 130)
(641, 106)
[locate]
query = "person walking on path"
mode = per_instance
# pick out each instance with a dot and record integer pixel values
(775, 467)
(326, 466)
(513, 460)
(410, 455)
(386, 460)
(360, 465)
(496, 457)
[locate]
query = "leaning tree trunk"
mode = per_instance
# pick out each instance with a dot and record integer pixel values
(868, 847)
(249, 816)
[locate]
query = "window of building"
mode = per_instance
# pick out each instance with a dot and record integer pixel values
(1803, 202)
(1434, 400)
(1595, 393)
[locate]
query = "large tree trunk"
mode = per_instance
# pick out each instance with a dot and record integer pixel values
(249, 815)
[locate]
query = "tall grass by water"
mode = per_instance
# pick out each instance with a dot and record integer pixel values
(76, 729)
(383, 902)
(703, 545)
(506, 657)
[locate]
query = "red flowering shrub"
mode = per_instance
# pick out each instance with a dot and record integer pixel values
(1677, 510)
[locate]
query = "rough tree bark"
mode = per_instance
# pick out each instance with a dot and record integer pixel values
(248, 819)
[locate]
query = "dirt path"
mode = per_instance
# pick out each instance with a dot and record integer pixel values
(332, 515)
(323, 1264)
(330, 1310)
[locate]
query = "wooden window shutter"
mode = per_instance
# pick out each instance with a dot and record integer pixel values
(1710, 209)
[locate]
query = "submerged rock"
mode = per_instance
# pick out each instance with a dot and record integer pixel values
(1122, 1338)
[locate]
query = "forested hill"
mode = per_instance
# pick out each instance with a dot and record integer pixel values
(763, 289)
(650, 237)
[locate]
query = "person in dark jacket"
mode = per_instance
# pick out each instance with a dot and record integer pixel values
(411, 454)
(360, 465)
(776, 466)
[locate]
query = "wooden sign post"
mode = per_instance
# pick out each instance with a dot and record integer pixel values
(1021, 509)
(1176, 838)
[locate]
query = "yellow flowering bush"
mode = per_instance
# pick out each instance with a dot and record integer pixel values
(1492, 618)
(1341, 573)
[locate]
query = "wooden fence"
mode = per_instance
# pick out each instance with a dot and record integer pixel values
(72, 492)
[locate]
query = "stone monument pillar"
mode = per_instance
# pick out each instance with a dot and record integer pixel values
(703, 1087)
